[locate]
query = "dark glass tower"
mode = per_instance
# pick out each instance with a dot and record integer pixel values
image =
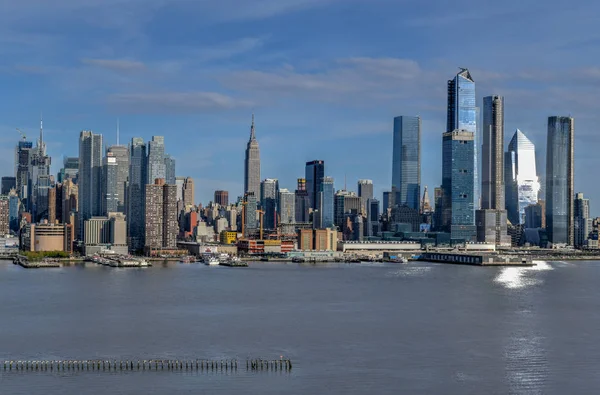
(315, 171)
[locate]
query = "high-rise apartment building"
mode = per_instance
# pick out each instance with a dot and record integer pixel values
(462, 115)
(302, 203)
(314, 173)
(250, 209)
(560, 211)
(121, 155)
(136, 193)
(583, 223)
(287, 206)
(90, 177)
(222, 198)
(161, 216)
(188, 192)
(269, 192)
(169, 169)
(365, 192)
(252, 165)
(458, 184)
(156, 159)
(13, 210)
(491, 218)
(406, 161)
(520, 174)
(110, 184)
(4, 215)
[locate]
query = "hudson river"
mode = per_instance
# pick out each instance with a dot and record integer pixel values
(348, 328)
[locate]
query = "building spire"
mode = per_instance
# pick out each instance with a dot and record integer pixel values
(41, 130)
(117, 131)
(252, 136)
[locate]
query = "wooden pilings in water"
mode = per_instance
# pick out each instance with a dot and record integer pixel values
(175, 365)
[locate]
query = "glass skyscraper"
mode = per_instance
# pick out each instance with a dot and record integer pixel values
(136, 200)
(520, 174)
(462, 115)
(560, 209)
(315, 171)
(90, 177)
(325, 202)
(269, 193)
(458, 184)
(156, 167)
(406, 161)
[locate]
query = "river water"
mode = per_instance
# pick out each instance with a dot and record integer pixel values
(348, 328)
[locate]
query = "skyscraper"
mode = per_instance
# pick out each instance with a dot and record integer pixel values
(426, 203)
(110, 184)
(287, 209)
(250, 208)
(269, 192)
(302, 201)
(70, 168)
(365, 192)
(222, 198)
(560, 176)
(169, 169)
(13, 210)
(4, 215)
(406, 161)
(136, 193)
(188, 192)
(345, 202)
(583, 222)
(372, 217)
(522, 182)
(325, 203)
(458, 215)
(314, 173)
(8, 183)
(121, 155)
(90, 177)
(22, 159)
(462, 115)
(39, 179)
(252, 165)
(156, 159)
(491, 218)
(161, 216)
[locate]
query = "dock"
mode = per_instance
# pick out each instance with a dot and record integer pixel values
(43, 264)
(476, 259)
(142, 365)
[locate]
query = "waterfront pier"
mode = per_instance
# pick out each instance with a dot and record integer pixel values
(141, 365)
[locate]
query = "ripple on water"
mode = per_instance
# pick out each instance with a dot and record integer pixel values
(521, 277)
(409, 271)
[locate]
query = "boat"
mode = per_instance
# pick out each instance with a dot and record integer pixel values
(188, 259)
(211, 261)
(400, 259)
(223, 258)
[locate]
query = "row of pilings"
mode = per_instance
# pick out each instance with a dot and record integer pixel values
(179, 365)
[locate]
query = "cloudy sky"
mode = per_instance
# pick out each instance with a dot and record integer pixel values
(324, 77)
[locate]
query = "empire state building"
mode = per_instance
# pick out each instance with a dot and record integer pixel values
(252, 165)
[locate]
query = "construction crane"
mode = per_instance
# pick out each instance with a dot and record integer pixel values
(23, 137)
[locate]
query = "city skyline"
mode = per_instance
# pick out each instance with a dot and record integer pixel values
(296, 87)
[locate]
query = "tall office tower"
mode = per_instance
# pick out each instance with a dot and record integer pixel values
(287, 206)
(52, 205)
(22, 160)
(39, 179)
(520, 174)
(302, 203)
(121, 155)
(13, 210)
(533, 216)
(269, 192)
(491, 218)
(406, 161)
(458, 184)
(425, 202)
(161, 216)
(252, 165)
(373, 227)
(462, 115)
(169, 169)
(4, 215)
(365, 192)
(325, 203)
(314, 173)
(110, 184)
(90, 177)
(222, 198)
(8, 183)
(70, 168)
(250, 208)
(188, 192)
(136, 193)
(156, 159)
(345, 202)
(560, 176)
(583, 222)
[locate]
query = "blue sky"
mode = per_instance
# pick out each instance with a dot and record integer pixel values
(324, 77)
